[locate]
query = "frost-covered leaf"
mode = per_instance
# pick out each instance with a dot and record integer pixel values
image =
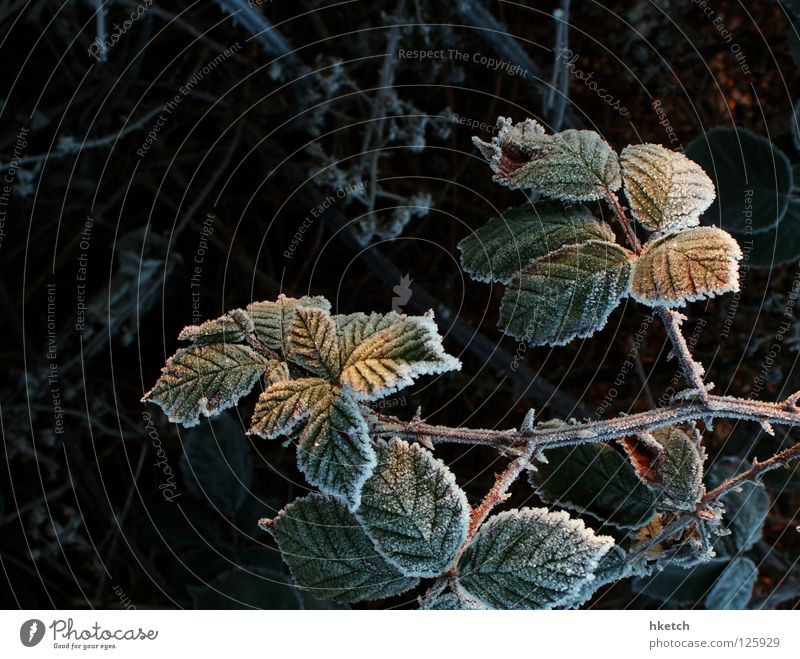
(352, 329)
(746, 509)
(675, 269)
(594, 479)
(389, 359)
(413, 509)
(283, 405)
(328, 552)
(573, 165)
(230, 328)
(273, 320)
(312, 342)
(734, 587)
(753, 179)
(530, 559)
(453, 602)
(334, 452)
(670, 462)
(205, 379)
(612, 567)
(276, 371)
(666, 190)
(506, 244)
(567, 294)
(216, 463)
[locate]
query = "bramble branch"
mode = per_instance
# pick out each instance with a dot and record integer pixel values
(569, 434)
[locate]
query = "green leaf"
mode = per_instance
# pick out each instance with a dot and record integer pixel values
(506, 244)
(567, 294)
(678, 585)
(353, 329)
(753, 179)
(594, 479)
(283, 405)
(670, 462)
(734, 587)
(453, 602)
(204, 380)
(413, 510)
(666, 190)
(334, 452)
(233, 327)
(216, 464)
(530, 559)
(312, 342)
(273, 320)
(746, 509)
(388, 360)
(328, 552)
(692, 265)
(573, 165)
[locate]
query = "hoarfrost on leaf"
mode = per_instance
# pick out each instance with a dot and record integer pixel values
(666, 190)
(413, 510)
(531, 559)
(334, 452)
(204, 380)
(450, 601)
(675, 269)
(273, 320)
(283, 405)
(567, 294)
(389, 359)
(233, 327)
(670, 462)
(328, 552)
(504, 245)
(573, 165)
(312, 342)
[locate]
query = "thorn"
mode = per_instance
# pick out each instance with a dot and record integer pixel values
(791, 402)
(425, 441)
(526, 428)
(418, 413)
(767, 427)
(265, 523)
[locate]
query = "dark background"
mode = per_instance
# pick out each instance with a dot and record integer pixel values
(315, 99)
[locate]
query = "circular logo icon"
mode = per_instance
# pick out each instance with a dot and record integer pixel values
(31, 632)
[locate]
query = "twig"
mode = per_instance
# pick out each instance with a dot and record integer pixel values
(571, 434)
(754, 474)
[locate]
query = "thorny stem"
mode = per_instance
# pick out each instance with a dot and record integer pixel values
(754, 474)
(570, 434)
